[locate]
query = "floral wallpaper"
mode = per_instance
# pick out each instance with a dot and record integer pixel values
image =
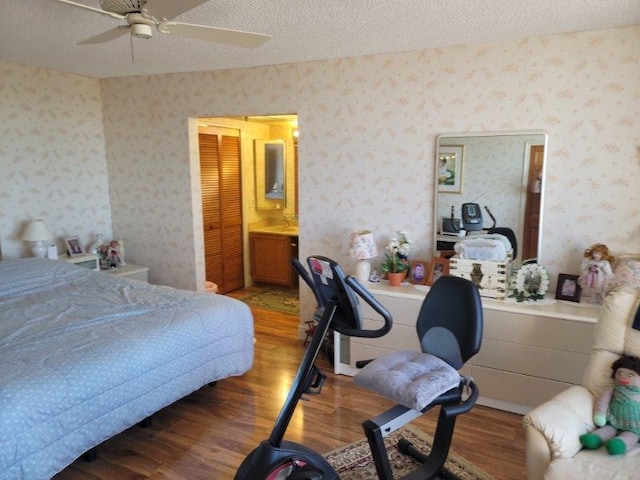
(52, 157)
(367, 142)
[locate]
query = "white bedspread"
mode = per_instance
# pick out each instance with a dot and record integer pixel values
(86, 355)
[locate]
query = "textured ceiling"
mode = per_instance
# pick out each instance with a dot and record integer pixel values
(44, 32)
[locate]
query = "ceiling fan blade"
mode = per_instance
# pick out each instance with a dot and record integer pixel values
(168, 9)
(225, 36)
(92, 9)
(107, 36)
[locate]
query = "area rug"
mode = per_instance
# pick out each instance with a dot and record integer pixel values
(354, 461)
(285, 301)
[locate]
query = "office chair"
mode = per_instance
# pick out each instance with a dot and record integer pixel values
(449, 327)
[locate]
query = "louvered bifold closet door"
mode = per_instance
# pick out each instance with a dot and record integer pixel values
(222, 210)
(231, 201)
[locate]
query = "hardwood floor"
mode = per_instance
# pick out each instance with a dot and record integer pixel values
(207, 434)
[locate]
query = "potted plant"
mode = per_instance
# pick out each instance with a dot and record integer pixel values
(395, 263)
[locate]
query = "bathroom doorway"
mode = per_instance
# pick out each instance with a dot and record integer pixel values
(251, 128)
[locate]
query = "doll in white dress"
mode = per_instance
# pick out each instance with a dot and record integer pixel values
(596, 276)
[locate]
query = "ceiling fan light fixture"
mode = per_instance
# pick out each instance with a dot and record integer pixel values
(141, 30)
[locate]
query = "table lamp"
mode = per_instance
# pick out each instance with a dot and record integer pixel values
(362, 247)
(37, 233)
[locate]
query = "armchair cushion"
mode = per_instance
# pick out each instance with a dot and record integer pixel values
(594, 464)
(563, 419)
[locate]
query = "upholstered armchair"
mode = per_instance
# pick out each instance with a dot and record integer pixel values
(553, 428)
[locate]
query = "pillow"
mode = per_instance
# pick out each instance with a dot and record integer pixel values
(412, 379)
(626, 269)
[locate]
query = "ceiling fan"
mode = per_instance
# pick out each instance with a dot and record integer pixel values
(142, 15)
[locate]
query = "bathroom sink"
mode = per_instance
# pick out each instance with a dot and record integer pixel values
(279, 229)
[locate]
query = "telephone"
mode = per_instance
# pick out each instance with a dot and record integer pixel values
(471, 217)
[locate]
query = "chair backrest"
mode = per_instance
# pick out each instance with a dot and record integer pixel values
(614, 335)
(450, 321)
(511, 236)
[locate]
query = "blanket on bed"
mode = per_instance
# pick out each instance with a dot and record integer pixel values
(86, 355)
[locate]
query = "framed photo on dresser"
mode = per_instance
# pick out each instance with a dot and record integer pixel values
(74, 247)
(437, 268)
(418, 272)
(568, 288)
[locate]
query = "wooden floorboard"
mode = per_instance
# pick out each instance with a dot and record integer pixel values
(207, 434)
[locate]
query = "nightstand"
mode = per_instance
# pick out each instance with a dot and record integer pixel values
(86, 260)
(135, 272)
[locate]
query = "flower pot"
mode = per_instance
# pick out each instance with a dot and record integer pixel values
(395, 279)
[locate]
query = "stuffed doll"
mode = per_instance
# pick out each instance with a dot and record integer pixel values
(617, 410)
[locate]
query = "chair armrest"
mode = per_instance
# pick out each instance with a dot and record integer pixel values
(563, 419)
(537, 454)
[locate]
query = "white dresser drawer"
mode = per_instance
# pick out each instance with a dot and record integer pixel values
(134, 272)
(403, 310)
(531, 360)
(521, 392)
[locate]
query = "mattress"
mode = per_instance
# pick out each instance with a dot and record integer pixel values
(87, 355)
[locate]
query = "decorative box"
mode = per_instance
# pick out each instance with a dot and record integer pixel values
(492, 278)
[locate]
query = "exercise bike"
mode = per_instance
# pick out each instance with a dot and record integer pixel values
(338, 309)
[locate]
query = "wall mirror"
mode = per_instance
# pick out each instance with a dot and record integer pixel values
(270, 174)
(501, 171)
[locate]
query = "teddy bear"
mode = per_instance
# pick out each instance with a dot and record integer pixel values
(617, 410)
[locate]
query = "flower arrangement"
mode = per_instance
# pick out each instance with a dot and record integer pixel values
(531, 284)
(397, 252)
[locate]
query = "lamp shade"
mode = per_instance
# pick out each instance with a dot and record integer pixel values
(36, 231)
(362, 247)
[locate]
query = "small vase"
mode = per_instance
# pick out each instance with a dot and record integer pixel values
(93, 249)
(395, 279)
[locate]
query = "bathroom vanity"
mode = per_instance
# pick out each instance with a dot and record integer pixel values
(271, 249)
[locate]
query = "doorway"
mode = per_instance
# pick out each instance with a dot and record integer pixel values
(245, 214)
(532, 204)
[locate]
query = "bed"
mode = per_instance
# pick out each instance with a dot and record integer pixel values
(87, 355)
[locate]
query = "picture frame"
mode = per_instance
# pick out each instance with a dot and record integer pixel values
(450, 168)
(418, 272)
(568, 288)
(74, 247)
(438, 267)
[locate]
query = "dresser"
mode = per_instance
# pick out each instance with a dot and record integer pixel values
(92, 262)
(134, 272)
(530, 352)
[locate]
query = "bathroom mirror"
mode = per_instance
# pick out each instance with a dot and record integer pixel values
(270, 174)
(502, 171)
